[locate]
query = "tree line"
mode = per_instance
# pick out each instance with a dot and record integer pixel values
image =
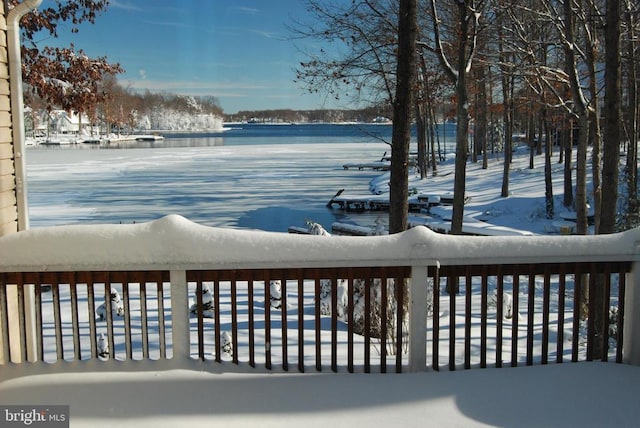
(562, 71)
(364, 114)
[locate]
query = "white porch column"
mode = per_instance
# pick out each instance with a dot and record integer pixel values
(631, 335)
(418, 318)
(179, 315)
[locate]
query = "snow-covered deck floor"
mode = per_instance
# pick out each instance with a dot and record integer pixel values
(566, 395)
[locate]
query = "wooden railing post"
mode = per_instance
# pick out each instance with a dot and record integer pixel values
(631, 335)
(418, 318)
(30, 321)
(179, 315)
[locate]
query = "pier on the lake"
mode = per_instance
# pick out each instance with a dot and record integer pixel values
(364, 202)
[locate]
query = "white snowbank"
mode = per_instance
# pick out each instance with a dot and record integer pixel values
(562, 395)
(174, 242)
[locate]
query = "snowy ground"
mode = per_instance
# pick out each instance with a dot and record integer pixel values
(567, 395)
(523, 209)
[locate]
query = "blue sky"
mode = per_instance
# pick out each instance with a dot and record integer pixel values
(236, 50)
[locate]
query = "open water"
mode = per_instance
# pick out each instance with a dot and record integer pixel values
(266, 177)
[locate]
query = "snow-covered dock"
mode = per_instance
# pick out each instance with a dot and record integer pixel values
(75, 139)
(337, 228)
(376, 165)
(371, 202)
(470, 226)
(439, 220)
(360, 203)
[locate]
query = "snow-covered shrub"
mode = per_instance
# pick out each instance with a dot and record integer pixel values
(207, 302)
(507, 304)
(377, 323)
(226, 343)
(275, 294)
(117, 307)
(613, 323)
(379, 228)
(342, 298)
(316, 229)
(103, 347)
(360, 290)
(430, 296)
(539, 211)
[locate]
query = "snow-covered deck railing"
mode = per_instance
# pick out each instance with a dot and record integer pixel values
(173, 291)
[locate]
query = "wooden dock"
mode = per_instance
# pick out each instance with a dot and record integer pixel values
(384, 164)
(470, 226)
(360, 203)
(376, 166)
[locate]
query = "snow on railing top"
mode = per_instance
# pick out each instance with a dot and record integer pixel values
(174, 242)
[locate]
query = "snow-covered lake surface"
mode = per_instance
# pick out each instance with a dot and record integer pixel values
(268, 186)
(263, 177)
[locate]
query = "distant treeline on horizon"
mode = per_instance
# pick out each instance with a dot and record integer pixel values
(369, 114)
(321, 115)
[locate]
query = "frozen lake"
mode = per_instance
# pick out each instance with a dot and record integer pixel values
(267, 180)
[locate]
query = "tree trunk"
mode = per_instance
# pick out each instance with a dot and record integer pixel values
(531, 140)
(568, 177)
(632, 122)
(595, 137)
(433, 136)
(541, 131)
(548, 181)
(581, 112)
(462, 124)
(581, 174)
(422, 114)
(508, 137)
(612, 121)
(401, 138)
(612, 125)
(480, 131)
(506, 118)
(432, 123)
(421, 135)
(462, 133)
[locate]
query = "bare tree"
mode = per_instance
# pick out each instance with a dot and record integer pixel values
(466, 16)
(403, 102)
(612, 118)
(507, 83)
(375, 51)
(580, 108)
(631, 64)
(572, 22)
(361, 67)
